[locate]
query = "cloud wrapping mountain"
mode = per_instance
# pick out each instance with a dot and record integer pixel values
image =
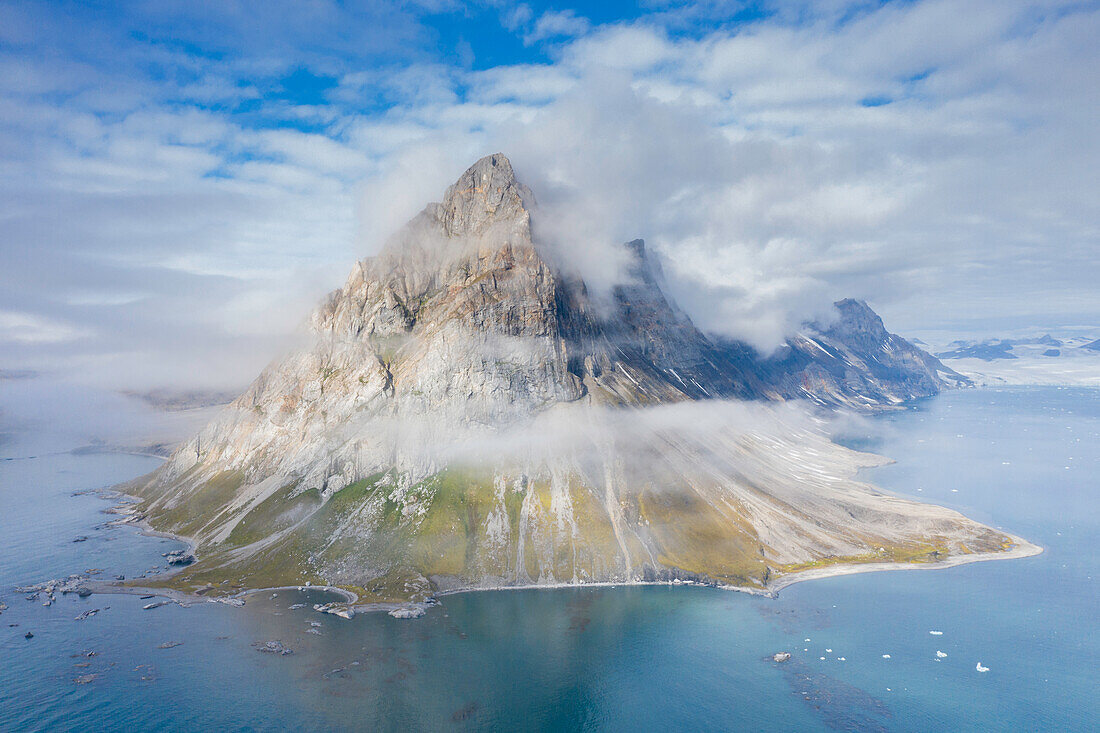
(176, 188)
(469, 415)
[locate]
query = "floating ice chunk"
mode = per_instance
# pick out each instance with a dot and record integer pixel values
(936, 633)
(828, 651)
(885, 656)
(822, 659)
(940, 655)
(841, 659)
(980, 668)
(805, 640)
(954, 491)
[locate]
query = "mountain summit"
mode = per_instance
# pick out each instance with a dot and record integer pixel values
(486, 195)
(465, 416)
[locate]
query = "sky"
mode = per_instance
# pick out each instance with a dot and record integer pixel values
(181, 181)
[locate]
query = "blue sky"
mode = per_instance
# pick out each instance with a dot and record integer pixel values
(180, 181)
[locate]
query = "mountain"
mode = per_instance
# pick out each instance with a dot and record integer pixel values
(993, 349)
(1044, 340)
(852, 362)
(855, 362)
(1092, 345)
(469, 415)
(986, 351)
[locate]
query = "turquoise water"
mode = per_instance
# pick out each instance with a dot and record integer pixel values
(647, 658)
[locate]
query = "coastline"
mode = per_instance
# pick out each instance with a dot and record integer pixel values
(1021, 549)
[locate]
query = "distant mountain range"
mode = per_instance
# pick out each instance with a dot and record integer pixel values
(993, 349)
(469, 415)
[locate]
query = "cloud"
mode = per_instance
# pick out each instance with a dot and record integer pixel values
(525, 83)
(636, 48)
(556, 24)
(516, 17)
(178, 166)
(28, 328)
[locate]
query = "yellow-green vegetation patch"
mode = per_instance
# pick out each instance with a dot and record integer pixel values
(149, 488)
(597, 549)
(289, 561)
(446, 540)
(695, 536)
(911, 553)
(324, 523)
(283, 563)
(280, 511)
(196, 509)
(397, 586)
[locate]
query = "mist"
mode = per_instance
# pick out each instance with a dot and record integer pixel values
(157, 233)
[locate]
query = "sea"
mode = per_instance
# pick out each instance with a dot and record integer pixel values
(882, 651)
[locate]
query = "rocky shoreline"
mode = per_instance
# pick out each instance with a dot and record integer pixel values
(1021, 549)
(416, 610)
(130, 515)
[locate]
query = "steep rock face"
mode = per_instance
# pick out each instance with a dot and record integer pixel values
(466, 415)
(855, 362)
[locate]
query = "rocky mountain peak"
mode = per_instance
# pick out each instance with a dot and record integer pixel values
(467, 417)
(641, 266)
(857, 317)
(487, 195)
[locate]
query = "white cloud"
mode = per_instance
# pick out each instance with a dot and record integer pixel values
(636, 48)
(517, 17)
(29, 328)
(530, 83)
(742, 153)
(557, 24)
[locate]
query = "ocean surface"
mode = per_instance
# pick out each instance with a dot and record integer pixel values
(626, 658)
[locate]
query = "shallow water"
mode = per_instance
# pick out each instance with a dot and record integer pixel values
(595, 658)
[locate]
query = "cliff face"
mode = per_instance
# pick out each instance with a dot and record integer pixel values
(469, 416)
(855, 362)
